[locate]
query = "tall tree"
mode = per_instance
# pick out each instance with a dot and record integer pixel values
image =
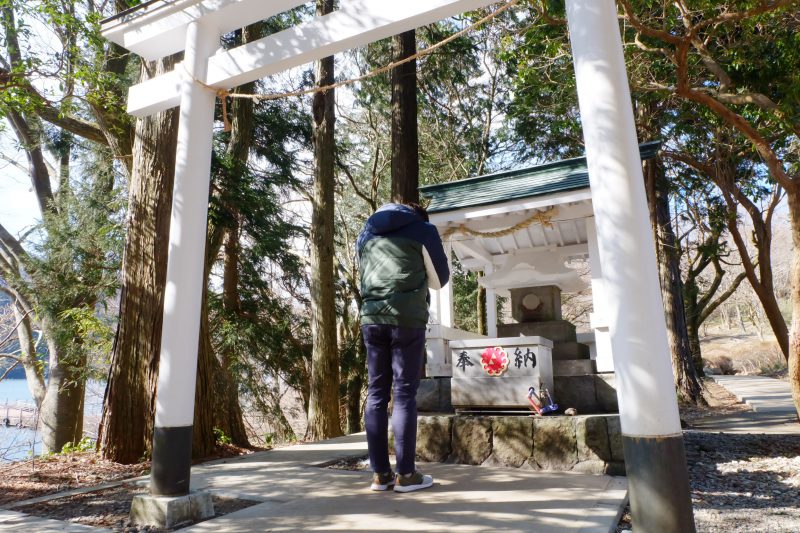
(669, 270)
(702, 246)
(405, 142)
(126, 429)
(652, 117)
(323, 411)
(736, 60)
(62, 274)
(719, 157)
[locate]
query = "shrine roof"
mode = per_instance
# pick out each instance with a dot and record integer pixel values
(539, 180)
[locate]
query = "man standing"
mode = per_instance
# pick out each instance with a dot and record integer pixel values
(400, 255)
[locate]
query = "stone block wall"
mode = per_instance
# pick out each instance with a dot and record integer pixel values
(591, 393)
(583, 443)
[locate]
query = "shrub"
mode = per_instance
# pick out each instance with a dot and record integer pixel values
(724, 364)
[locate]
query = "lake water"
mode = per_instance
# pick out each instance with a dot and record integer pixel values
(14, 390)
(16, 443)
(19, 443)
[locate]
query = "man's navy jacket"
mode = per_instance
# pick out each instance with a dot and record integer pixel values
(400, 256)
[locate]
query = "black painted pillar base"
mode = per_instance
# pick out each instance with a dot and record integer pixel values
(172, 461)
(658, 484)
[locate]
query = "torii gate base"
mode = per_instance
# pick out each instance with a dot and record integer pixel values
(649, 419)
(169, 511)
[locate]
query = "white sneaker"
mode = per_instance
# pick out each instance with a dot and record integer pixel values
(412, 482)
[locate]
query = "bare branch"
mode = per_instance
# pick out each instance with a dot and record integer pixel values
(13, 247)
(765, 6)
(346, 169)
(712, 306)
(9, 369)
(644, 29)
(10, 333)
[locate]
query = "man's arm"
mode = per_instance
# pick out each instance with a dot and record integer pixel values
(436, 264)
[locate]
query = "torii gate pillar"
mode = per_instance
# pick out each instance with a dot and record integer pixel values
(655, 458)
(172, 436)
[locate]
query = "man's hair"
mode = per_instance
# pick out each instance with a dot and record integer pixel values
(418, 209)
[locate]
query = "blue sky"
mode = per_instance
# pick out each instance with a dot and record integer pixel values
(18, 207)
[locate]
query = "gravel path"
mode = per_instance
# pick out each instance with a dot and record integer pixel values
(743, 483)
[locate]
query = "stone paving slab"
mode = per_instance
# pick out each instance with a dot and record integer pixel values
(463, 498)
(296, 494)
(749, 423)
(300, 497)
(763, 394)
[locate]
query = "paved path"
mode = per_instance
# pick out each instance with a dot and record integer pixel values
(771, 400)
(297, 494)
(764, 395)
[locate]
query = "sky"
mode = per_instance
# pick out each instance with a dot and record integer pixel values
(19, 209)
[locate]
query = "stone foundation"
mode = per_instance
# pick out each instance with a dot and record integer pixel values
(433, 395)
(583, 443)
(590, 393)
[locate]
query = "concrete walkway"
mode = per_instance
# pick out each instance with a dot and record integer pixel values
(771, 401)
(297, 494)
(764, 395)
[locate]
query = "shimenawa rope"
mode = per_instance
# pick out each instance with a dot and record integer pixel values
(223, 94)
(539, 217)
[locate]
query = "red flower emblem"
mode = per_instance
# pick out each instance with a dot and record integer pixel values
(494, 360)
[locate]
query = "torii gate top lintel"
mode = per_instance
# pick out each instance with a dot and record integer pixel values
(160, 28)
(157, 28)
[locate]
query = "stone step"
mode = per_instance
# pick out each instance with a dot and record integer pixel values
(588, 394)
(574, 367)
(566, 351)
(554, 330)
(433, 395)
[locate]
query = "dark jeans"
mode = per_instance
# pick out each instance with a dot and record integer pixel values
(394, 353)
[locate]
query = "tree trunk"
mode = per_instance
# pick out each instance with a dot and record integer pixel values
(693, 315)
(323, 411)
(355, 385)
(33, 372)
(739, 318)
(760, 274)
(205, 405)
(126, 429)
(405, 145)
(726, 319)
(683, 367)
(793, 198)
(229, 413)
(61, 413)
(481, 304)
(216, 400)
(693, 330)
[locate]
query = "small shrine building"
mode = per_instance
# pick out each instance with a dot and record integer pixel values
(520, 229)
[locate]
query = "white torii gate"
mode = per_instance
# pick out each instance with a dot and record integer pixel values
(653, 442)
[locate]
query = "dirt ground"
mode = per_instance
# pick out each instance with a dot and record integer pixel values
(109, 508)
(743, 353)
(719, 400)
(23, 480)
(32, 478)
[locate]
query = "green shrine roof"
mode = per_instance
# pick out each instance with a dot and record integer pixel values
(559, 176)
